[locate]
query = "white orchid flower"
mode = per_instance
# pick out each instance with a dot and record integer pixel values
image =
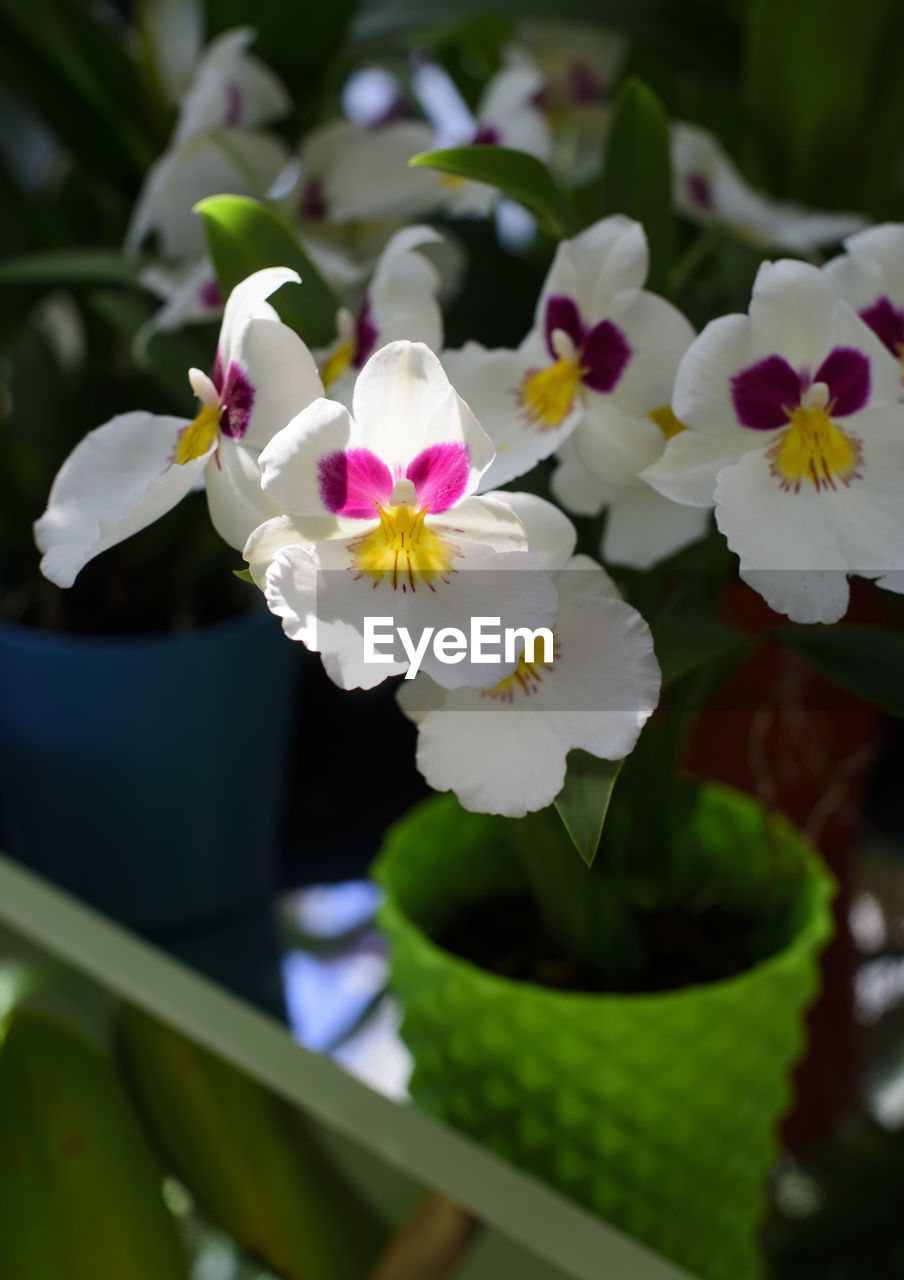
(504, 749)
(709, 189)
(597, 371)
(231, 89)
(796, 436)
(191, 294)
(128, 473)
(507, 115)
(870, 276)
(382, 520)
(217, 146)
(175, 32)
(400, 302)
(579, 63)
(351, 174)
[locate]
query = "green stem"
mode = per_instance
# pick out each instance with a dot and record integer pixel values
(582, 911)
(693, 258)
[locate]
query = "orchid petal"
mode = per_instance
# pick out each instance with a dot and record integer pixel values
(235, 499)
(118, 479)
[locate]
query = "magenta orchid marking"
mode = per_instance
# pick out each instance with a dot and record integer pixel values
(236, 398)
(313, 206)
(887, 323)
(486, 135)
(439, 475)
(210, 295)
(700, 191)
(766, 393)
(353, 483)
(602, 350)
(366, 334)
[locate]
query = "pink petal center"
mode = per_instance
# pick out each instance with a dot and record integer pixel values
(440, 476)
(353, 483)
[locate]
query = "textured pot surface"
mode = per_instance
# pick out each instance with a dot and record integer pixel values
(146, 774)
(658, 1111)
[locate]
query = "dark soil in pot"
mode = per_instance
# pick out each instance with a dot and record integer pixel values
(683, 946)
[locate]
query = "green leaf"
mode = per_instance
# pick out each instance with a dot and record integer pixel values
(815, 80)
(583, 802)
(81, 1185)
(296, 40)
(515, 173)
(637, 179)
(867, 661)
(244, 236)
(244, 575)
(70, 267)
(685, 646)
(74, 69)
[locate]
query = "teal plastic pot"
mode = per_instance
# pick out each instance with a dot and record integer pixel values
(657, 1111)
(147, 774)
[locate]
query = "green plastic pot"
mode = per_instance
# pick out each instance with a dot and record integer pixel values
(657, 1111)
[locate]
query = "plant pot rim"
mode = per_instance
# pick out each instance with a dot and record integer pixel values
(23, 635)
(810, 937)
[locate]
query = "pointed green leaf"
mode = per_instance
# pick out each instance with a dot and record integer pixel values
(583, 802)
(515, 173)
(244, 575)
(867, 661)
(637, 179)
(70, 267)
(243, 236)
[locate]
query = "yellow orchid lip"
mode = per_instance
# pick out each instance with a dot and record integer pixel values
(199, 436)
(525, 679)
(403, 548)
(548, 394)
(814, 448)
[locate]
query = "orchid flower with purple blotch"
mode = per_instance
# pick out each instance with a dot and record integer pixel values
(595, 375)
(399, 302)
(217, 145)
(381, 517)
(709, 190)
(128, 473)
(870, 276)
(796, 436)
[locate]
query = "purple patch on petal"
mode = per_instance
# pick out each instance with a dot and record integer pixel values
(562, 313)
(487, 135)
(353, 482)
(699, 190)
(765, 394)
(233, 105)
(210, 295)
(845, 371)
(237, 395)
(216, 375)
(313, 205)
(584, 85)
(440, 475)
(365, 334)
(887, 323)
(604, 355)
